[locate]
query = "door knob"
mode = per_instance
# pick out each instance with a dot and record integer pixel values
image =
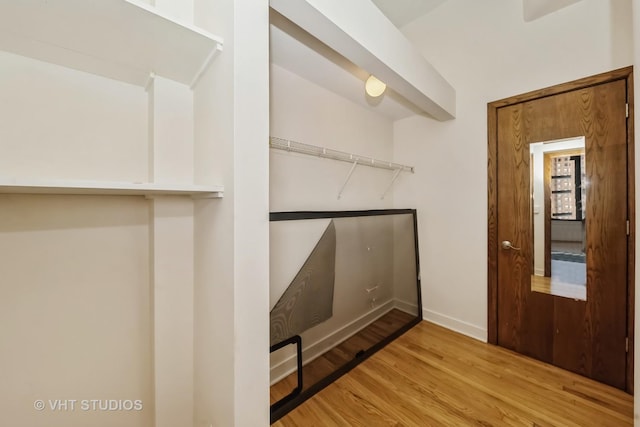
(507, 245)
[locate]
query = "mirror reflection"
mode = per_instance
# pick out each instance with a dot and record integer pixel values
(558, 193)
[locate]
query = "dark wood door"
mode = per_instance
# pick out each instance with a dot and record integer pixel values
(587, 337)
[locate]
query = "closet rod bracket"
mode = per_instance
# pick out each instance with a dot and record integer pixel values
(353, 167)
(396, 174)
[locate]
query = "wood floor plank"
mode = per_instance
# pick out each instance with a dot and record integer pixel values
(329, 362)
(431, 376)
(434, 389)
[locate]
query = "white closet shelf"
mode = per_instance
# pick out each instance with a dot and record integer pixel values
(125, 40)
(33, 186)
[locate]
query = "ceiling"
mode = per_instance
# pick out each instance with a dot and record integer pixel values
(295, 50)
(299, 52)
(401, 12)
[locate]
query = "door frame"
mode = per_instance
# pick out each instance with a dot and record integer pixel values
(626, 74)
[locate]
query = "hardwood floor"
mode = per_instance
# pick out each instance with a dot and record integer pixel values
(431, 376)
(344, 352)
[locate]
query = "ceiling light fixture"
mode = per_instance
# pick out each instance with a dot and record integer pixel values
(374, 87)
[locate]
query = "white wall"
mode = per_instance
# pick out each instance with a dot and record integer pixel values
(75, 295)
(214, 296)
(97, 294)
(304, 112)
(487, 52)
(63, 124)
(232, 240)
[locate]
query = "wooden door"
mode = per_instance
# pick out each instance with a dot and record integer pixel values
(588, 337)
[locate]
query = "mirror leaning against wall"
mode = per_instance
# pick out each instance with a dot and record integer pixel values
(559, 198)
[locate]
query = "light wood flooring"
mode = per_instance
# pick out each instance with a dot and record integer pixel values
(431, 376)
(344, 352)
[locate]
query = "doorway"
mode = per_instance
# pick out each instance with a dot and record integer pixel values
(561, 226)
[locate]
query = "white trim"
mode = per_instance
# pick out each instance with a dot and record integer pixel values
(460, 326)
(407, 307)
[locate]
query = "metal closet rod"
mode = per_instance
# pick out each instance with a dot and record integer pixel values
(314, 150)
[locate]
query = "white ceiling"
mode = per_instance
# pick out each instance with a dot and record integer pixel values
(534, 9)
(401, 12)
(295, 50)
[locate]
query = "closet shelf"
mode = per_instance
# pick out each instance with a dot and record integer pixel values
(33, 186)
(125, 40)
(313, 150)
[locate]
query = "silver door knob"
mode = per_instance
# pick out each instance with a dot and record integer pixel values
(507, 245)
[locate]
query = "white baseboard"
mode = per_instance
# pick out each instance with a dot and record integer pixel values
(407, 307)
(460, 326)
(318, 348)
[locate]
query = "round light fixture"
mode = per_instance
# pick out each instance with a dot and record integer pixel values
(374, 87)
